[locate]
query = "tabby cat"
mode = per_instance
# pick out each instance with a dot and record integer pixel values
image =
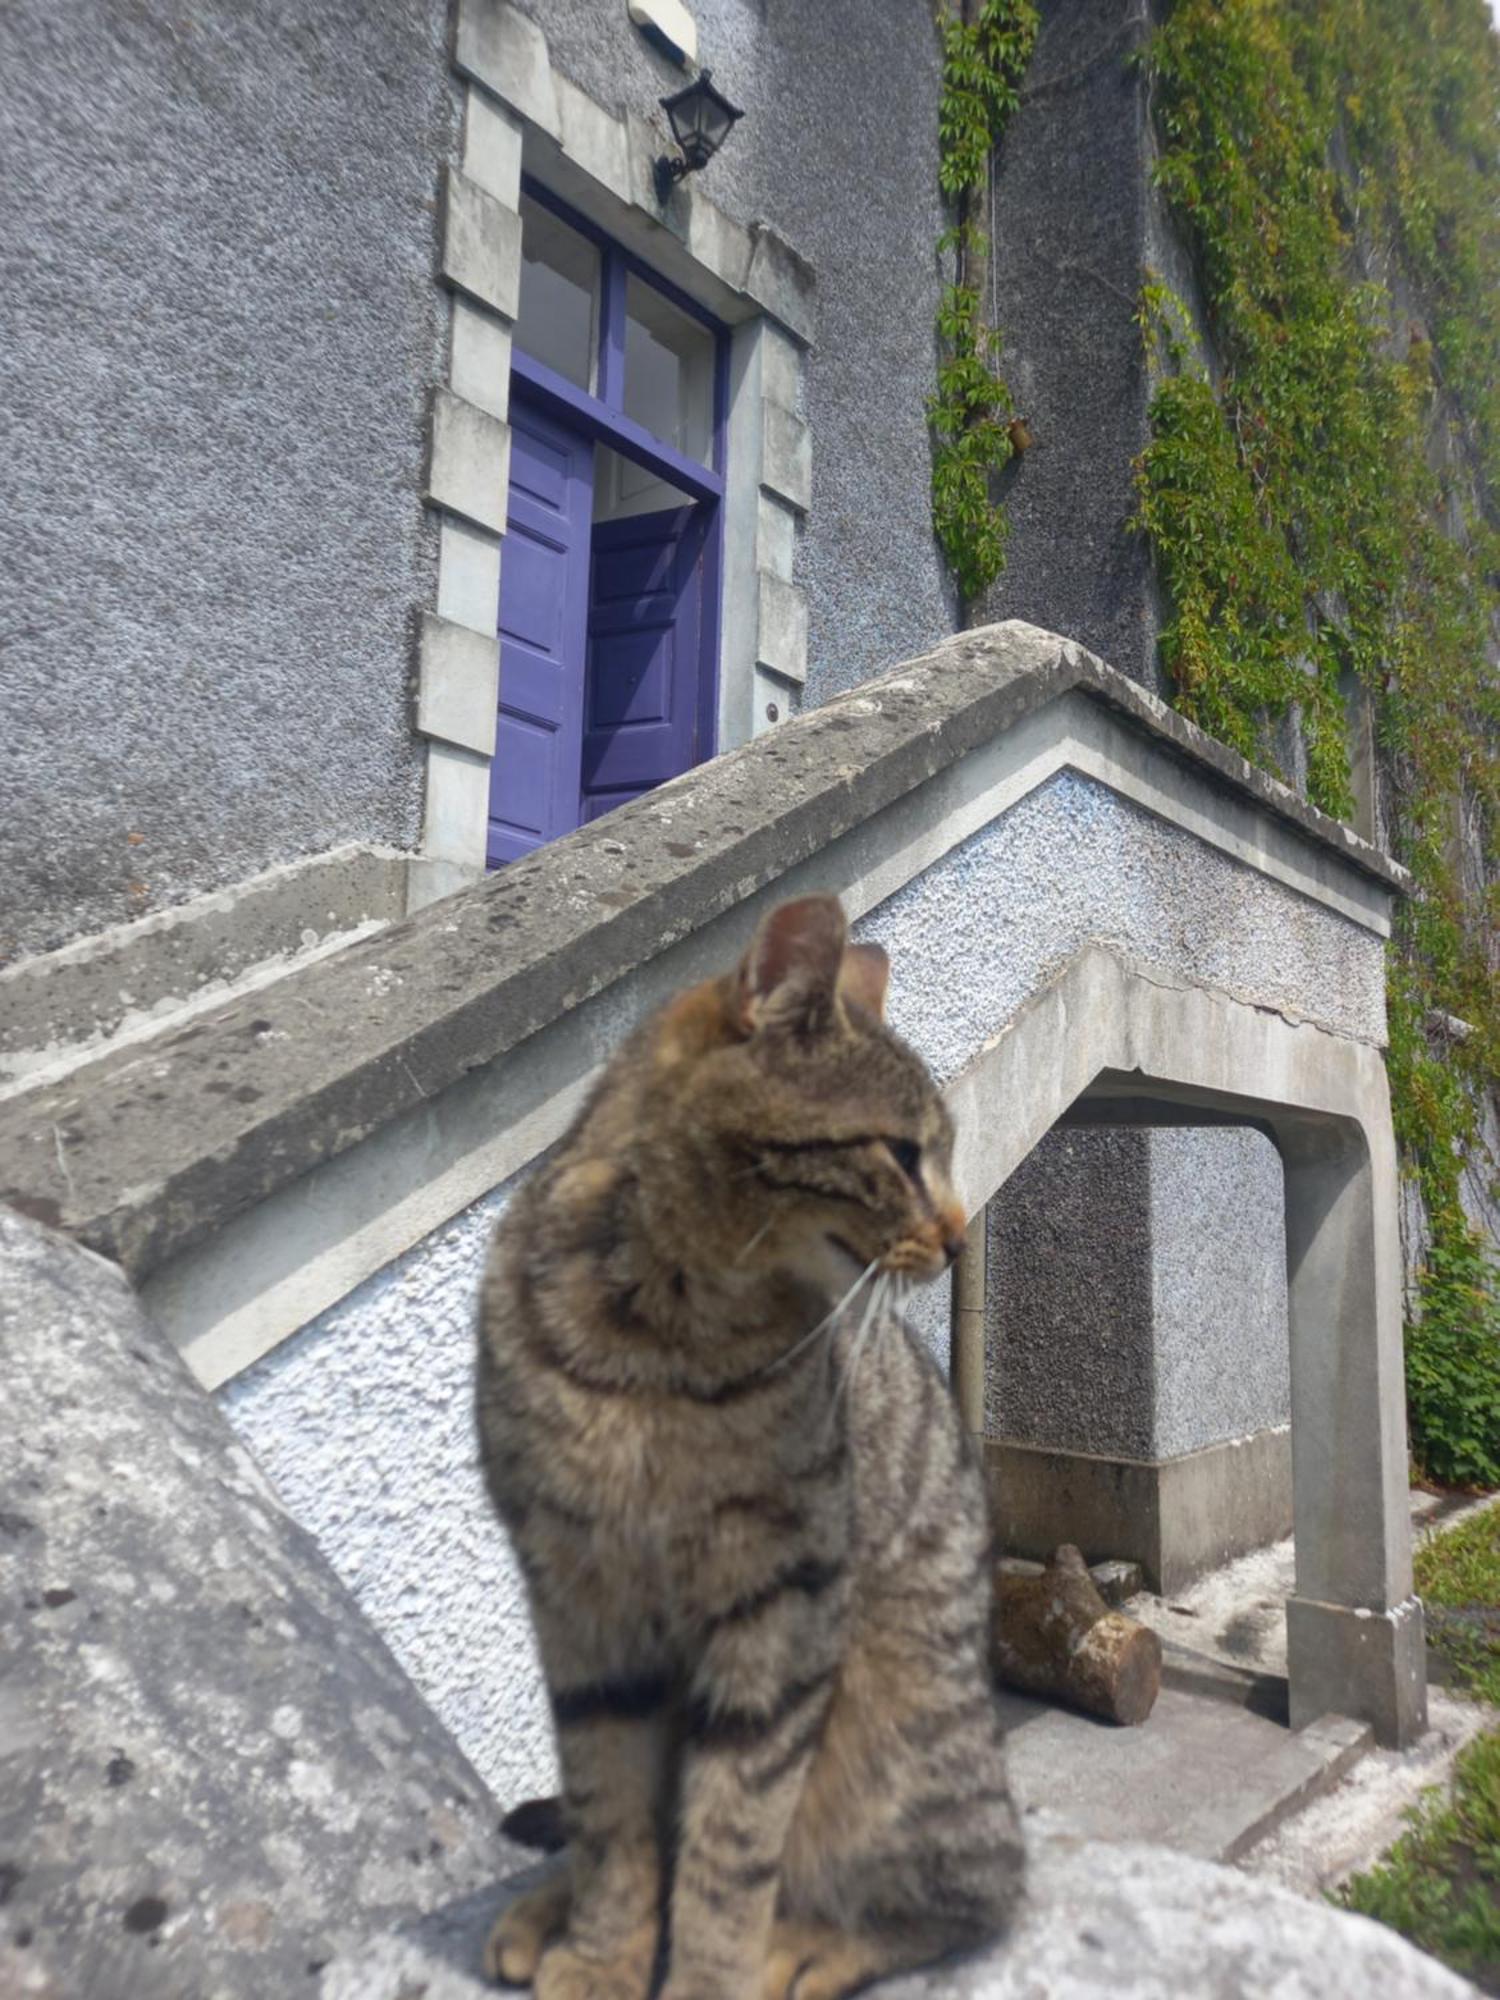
(752, 1529)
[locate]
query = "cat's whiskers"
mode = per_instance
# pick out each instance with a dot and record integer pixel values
(759, 1237)
(828, 1321)
(873, 1317)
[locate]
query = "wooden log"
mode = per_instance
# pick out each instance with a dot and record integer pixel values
(1054, 1635)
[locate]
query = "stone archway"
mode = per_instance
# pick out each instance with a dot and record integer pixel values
(1141, 1046)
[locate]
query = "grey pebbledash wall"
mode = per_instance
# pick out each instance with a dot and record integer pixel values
(837, 151)
(218, 323)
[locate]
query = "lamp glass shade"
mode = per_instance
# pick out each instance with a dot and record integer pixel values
(701, 117)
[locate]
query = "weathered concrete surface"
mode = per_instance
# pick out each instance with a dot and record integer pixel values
(218, 321)
(1199, 1776)
(213, 1776)
(143, 1154)
(1100, 1922)
(134, 979)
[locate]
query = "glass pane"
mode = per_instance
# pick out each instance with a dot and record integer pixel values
(669, 371)
(559, 317)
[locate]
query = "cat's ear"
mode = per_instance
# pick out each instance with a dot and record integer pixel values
(864, 976)
(789, 978)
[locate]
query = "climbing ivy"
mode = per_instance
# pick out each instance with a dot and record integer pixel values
(1323, 518)
(985, 52)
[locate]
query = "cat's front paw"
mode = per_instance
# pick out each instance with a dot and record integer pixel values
(811, 1963)
(514, 1947)
(566, 1974)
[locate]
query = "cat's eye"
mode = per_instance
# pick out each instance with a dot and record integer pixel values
(907, 1154)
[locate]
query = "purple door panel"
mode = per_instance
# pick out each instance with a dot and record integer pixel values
(645, 632)
(544, 590)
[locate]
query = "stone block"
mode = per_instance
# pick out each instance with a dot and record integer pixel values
(593, 138)
(786, 456)
(782, 281)
(481, 251)
(458, 802)
(781, 642)
(775, 537)
(479, 359)
(506, 51)
(468, 469)
(781, 369)
(1354, 1660)
(492, 147)
(468, 575)
(458, 679)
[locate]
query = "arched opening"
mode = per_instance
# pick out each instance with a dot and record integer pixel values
(1111, 1046)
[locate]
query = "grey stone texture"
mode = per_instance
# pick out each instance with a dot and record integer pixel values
(837, 151)
(1072, 204)
(213, 1776)
(1101, 1921)
(1138, 1293)
(291, 1077)
(218, 323)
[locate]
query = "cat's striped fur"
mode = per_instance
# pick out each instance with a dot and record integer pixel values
(752, 1530)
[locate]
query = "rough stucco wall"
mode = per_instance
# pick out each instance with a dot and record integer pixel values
(1218, 1230)
(364, 1424)
(838, 152)
(217, 324)
(1067, 1341)
(363, 1420)
(1074, 862)
(1137, 1301)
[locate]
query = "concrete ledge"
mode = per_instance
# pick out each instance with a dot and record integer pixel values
(1176, 1517)
(1101, 1920)
(145, 1155)
(54, 1006)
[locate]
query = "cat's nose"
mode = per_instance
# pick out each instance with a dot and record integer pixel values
(954, 1226)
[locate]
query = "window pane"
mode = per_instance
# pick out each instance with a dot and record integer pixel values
(559, 316)
(669, 371)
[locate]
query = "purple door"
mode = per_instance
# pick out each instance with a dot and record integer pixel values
(645, 624)
(544, 594)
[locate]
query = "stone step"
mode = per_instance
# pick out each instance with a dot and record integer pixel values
(1208, 1777)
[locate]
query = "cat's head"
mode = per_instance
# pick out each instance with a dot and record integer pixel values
(815, 1136)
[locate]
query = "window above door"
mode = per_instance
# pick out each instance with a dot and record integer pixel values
(595, 321)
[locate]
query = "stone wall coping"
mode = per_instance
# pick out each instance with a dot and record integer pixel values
(152, 1149)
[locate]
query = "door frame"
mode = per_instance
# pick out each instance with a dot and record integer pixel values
(601, 417)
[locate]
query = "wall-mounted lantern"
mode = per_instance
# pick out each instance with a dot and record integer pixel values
(701, 119)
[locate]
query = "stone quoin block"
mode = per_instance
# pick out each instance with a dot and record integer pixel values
(481, 252)
(499, 47)
(457, 685)
(469, 461)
